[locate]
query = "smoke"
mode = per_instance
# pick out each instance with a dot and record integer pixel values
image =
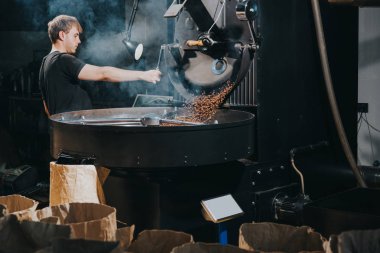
(96, 17)
(105, 23)
(150, 27)
(80, 9)
(33, 12)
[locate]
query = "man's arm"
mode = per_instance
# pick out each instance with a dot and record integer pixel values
(111, 74)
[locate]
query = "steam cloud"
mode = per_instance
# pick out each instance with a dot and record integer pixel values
(105, 24)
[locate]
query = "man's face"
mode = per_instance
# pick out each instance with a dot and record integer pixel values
(71, 40)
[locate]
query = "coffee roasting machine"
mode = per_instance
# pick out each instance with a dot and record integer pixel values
(275, 122)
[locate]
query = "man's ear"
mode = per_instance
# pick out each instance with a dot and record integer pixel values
(61, 35)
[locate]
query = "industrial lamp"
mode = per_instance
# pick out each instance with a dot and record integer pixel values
(133, 48)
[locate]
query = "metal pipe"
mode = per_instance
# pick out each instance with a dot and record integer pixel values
(330, 92)
(132, 18)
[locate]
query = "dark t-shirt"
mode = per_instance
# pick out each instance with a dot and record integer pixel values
(59, 83)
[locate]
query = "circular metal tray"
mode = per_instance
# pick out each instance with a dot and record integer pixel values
(228, 136)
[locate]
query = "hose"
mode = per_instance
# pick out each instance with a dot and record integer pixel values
(330, 92)
(302, 149)
(300, 175)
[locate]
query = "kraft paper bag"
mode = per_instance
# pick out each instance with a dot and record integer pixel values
(201, 247)
(103, 173)
(273, 237)
(89, 221)
(124, 236)
(18, 205)
(76, 184)
(159, 241)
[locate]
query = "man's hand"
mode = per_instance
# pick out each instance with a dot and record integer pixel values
(151, 76)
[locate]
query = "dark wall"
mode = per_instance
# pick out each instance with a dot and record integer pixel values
(33, 15)
(23, 15)
(292, 105)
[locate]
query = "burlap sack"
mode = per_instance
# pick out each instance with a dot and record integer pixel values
(159, 241)
(272, 237)
(88, 221)
(354, 241)
(41, 234)
(3, 210)
(200, 247)
(76, 184)
(124, 236)
(81, 246)
(12, 238)
(28, 236)
(37, 236)
(18, 205)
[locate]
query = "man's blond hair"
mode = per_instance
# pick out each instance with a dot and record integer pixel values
(62, 23)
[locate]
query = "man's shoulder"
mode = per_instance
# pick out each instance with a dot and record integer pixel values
(55, 55)
(63, 58)
(70, 58)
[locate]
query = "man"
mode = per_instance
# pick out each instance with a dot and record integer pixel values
(61, 71)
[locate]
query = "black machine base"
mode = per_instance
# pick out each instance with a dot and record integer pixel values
(170, 199)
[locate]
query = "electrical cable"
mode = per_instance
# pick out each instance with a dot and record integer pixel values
(217, 18)
(359, 126)
(360, 117)
(369, 124)
(359, 122)
(331, 95)
(359, 152)
(370, 138)
(216, 9)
